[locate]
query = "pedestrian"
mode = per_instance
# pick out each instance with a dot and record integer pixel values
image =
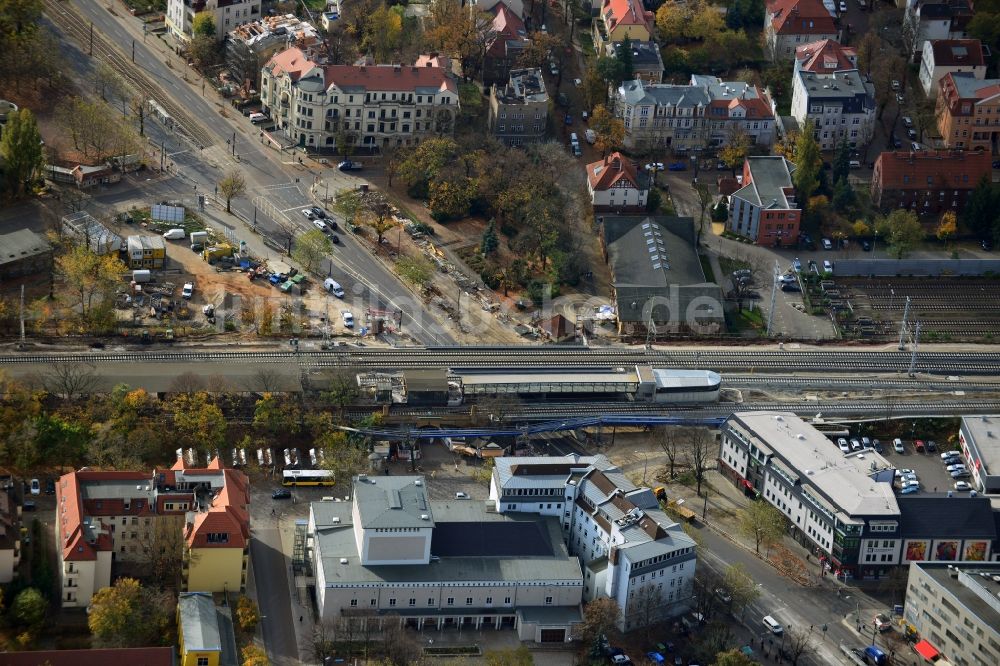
(300, 618)
(272, 511)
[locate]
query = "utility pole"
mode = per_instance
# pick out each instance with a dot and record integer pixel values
(774, 296)
(22, 316)
(650, 332)
(162, 155)
(903, 326)
(133, 51)
(91, 38)
(234, 144)
(913, 350)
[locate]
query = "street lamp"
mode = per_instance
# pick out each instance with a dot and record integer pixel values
(645, 460)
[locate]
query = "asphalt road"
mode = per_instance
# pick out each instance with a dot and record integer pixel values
(276, 177)
(270, 572)
(794, 606)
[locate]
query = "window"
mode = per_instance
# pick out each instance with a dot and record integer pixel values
(489, 601)
(354, 602)
(451, 601)
(506, 600)
(430, 601)
(413, 601)
(218, 537)
(202, 661)
(548, 601)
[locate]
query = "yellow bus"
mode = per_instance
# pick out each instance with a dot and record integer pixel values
(307, 477)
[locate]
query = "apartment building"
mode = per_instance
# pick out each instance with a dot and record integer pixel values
(926, 20)
(841, 105)
(10, 535)
(968, 112)
(629, 548)
(614, 184)
(954, 610)
(791, 23)
(647, 63)
(764, 208)
(927, 182)
(951, 56)
(119, 516)
(843, 506)
(505, 44)
(825, 56)
(618, 20)
(702, 114)
(519, 110)
(442, 564)
(227, 14)
(249, 45)
(371, 106)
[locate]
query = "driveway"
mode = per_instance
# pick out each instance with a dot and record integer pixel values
(787, 322)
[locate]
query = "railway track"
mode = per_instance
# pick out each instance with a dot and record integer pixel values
(541, 358)
(65, 17)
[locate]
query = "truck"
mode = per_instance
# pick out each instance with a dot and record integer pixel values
(213, 253)
(682, 511)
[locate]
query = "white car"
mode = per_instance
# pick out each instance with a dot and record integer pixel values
(309, 214)
(577, 82)
(36, 487)
(348, 318)
(843, 6)
(827, 266)
(948, 455)
(895, 85)
(897, 445)
(188, 290)
(907, 121)
(827, 245)
(963, 485)
(903, 472)
(855, 445)
(461, 495)
(319, 224)
(909, 483)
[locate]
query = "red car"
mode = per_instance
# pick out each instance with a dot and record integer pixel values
(918, 444)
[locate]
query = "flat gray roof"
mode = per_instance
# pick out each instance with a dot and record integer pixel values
(976, 592)
(809, 456)
(336, 544)
(21, 244)
(392, 502)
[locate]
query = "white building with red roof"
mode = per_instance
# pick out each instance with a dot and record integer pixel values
(373, 105)
(103, 517)
(701, 114)
(791, 23)
(825, 56)
(616, 185)
(618, 19)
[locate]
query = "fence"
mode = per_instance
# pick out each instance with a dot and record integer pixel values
(922, 267)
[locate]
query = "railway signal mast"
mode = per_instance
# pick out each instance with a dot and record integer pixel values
(911, 336)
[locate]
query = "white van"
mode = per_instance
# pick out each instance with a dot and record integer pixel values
(573, 140)
(333, 287)
(174, 234)
(257, 118)
(591, 136)
(773, 625)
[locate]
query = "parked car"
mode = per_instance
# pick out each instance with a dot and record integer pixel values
(900, 99)
(50, 486)
(996, 164)
(188, 290)
(918, 445)
(877, 445)
(855, 445)
(281, 493)
(931, 446)
(843, 6)
(348, 165)
(29, 505)
(866, 443)
(948, 455)
(319, 212)
(911, 133)
(895, 85)
(882, 622)
(569, 119)
(257, 118)
(907, 121)
(791, 287)
(347, 318)
(953, 467)
(309, 215)
(900, 472)
(335, 239)
(866, 246)
(319, 224)
(986, 243)
(961, 474)
(963, 485)
(461, 495)
(36, 487)
(577, 82)
(842, 443)
(897, 445)
(827, 266)
(827, 244)
(723, 596)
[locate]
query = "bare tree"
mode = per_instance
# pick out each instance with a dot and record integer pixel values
(740, 587)
(763, 523)
(163, 550)
(71, 380)
(699, 448)
(645, 609)
(265, 379)
(324, 643)
(798, 643)
(499, 407)
(671, 446)
(399, 646)
(187, 382)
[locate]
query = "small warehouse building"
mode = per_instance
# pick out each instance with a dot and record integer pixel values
(204, 631)
(426, 387)
(656, 277)
(23, 252)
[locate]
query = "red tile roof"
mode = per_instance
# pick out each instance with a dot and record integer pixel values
(958, 52)
(507, 27)
(626, 12)
(610, 172)
(959, 170)
(800, 17)
(229, 513)
(825, 56)
(148, 656)
(371, 78)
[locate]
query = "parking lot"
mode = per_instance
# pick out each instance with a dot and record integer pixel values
(928, 467)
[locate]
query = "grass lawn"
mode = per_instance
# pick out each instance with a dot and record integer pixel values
(745, 320)
(706, 266)
(729, 265)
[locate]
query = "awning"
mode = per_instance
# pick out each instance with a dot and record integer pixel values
(747, 484)
(926, 650)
